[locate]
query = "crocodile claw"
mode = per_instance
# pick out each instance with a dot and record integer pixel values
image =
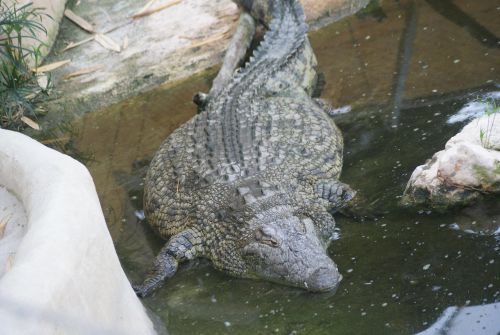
(200, 99)
(139, 290)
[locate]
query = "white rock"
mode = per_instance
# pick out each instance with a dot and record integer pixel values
(479, 320)
(466, 167)
(13, 223)
(65, 276)
(470, 133)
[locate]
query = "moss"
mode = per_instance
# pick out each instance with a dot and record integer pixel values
(496, 169)
(482, 174)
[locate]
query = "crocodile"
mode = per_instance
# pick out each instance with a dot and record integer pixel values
(251, 181)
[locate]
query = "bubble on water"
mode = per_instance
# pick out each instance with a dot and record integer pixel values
(384, 304)
(140, 214)
(227, 323)
(336, 235)
(341, 110)
(436, 288)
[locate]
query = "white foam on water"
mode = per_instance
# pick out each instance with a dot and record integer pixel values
(473, 109)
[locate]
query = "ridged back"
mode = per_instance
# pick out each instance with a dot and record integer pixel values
(237, 102)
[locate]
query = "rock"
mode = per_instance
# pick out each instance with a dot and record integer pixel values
(468, 167)
(54, 9)
(62, 274)
(13, 223)
(479, 320)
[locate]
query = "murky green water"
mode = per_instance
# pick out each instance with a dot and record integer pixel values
(405, 67)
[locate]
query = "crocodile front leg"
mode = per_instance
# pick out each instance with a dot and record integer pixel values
(336, 192)
(184, 246)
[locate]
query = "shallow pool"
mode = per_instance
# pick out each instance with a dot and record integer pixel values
(403, 67)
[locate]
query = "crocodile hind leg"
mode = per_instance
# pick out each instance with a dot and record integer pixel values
(235, 53)
(181, 247)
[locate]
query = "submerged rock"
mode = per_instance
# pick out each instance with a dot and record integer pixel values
(468, 167)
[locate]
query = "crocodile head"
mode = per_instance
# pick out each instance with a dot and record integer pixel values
(287, 249)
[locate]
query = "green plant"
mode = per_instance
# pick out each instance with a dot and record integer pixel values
(19, 88)
(491, 110)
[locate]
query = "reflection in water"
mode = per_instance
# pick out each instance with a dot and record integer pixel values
(404, 58)
(401, 269)
(456, 15)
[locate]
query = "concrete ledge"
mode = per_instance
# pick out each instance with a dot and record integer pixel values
(65, 276)
(175, 43)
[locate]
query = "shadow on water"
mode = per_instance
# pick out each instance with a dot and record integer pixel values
(404, 67)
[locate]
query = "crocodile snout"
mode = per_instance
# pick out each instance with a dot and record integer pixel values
(324, 279)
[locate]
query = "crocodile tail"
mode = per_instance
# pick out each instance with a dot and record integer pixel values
(286, 24)
(264, 11)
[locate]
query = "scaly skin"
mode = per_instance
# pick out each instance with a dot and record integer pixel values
(248, 182)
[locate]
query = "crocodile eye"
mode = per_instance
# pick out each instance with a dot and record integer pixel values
(301, 228)
(272, 242)
(262, 237)
(304, 223)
